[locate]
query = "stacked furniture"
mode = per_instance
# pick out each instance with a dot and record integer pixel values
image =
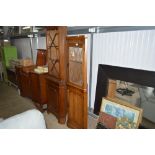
(67, 80)
(33, 84)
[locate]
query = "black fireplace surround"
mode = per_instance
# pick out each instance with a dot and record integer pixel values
(105, 72)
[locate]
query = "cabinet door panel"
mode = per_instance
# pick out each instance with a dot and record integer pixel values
(43, 88)
(35, 87)
(75, 108)
(53, 99)
(25, 82)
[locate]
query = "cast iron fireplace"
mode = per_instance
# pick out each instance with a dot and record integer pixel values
(105, 72)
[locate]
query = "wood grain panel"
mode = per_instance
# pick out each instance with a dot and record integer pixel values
(38, 88)
(56, 93)
(76, 108)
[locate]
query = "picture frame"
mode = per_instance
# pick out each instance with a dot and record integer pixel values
(107, 120)
(121, 109)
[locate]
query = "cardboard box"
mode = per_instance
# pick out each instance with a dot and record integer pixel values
(26, 62)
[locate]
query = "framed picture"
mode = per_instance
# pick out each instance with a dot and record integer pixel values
(127, 114)
(107, 120)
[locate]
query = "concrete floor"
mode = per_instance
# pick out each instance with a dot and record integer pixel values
(52, 122)
(11, 103)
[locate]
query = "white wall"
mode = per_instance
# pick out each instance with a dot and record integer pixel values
(132, 49)
(42, 43)
(88, 60)
(24, 47)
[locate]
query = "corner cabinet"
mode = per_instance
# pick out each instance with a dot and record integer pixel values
(56, 80)
(77, 82)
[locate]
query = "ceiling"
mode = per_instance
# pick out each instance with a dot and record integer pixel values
(33, 31)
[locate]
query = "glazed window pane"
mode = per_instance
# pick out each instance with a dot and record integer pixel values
(53, 52)
(75, 65)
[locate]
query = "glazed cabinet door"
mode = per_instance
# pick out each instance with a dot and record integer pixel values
(52, 40)
(56, 51)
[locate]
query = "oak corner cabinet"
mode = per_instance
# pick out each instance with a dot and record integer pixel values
(56, 80)
(77, 83)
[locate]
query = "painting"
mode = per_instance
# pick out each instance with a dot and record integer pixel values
(107, 120)
(125, 123)
(122, 111)
(138, 95)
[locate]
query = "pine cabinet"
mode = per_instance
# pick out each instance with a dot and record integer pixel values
(56, 80)
(76, 82)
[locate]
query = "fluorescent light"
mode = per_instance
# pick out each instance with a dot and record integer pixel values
(6, 40)
(92, 30)
(30, 35)
(26, 27)
(38, 28)
(35, 35)
(35, 30)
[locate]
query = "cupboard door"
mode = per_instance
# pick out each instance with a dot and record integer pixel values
(56, 51)
(26, 86)
(35, 87)
(43, 88)
(76, 113)
(53, 99)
